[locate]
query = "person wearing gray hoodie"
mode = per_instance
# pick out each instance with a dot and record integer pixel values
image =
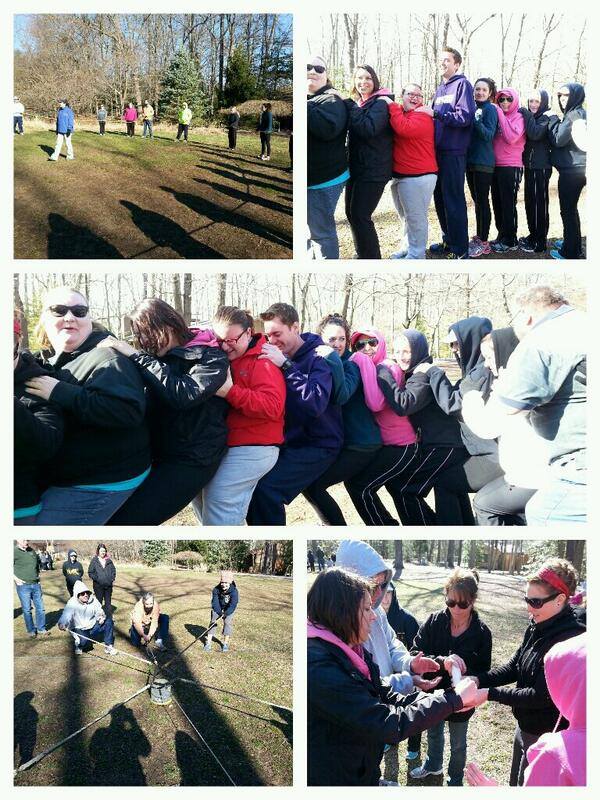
(84, 615)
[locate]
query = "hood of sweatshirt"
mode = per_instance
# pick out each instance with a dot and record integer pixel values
(505, 341)
(544, 98)
(79, 587)
(255, 346)
(311, 340)
(565, 670)
(379, 93)
(469, 333)
(513, 108)
(361, 558)
(381, 350)
(70, 553)
(576, 96)
(202, 336)
(419, 348)
(27, 367)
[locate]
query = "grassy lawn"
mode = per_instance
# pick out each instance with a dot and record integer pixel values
(57, 692)
(492, 726)
(127, 197)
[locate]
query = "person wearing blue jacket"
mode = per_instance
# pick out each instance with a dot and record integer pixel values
(65, 123)
(481, 162)
(265, 128)
(453, 112)
(313, 434)
(224, 601)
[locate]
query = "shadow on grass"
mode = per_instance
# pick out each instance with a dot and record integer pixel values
(25, 726)
(247, 177)
(115, 751)
(67, 240)
(47, 149)
(246, 197)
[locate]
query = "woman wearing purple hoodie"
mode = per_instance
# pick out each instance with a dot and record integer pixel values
(509, 144)
(370, 147)
(182, 368)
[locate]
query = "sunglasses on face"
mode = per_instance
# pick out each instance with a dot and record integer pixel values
(316, 67)
(538, 602)
(230, 341)
(61, 311)
(362, 344)
(505, 98)
(460, 603)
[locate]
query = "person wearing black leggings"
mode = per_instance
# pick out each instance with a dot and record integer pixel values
(370, 147)
(103, 573)
(538, 169)
(481, 162)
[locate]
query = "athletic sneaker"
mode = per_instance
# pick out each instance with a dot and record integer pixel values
(526, 245)
(556, 254)
(110, 650)
(438, 248)
(412, 755)
(452, 256)
(31, 634)
(267, 158)
(207, 647)
(475, 249)
(500, 247)
(225, 648)
(160, 645)
(70, 158)
(400, 254)
(43, 633)
(423, 772)
(558, 243)
(78, 651)
(486, 249)
(383, 782)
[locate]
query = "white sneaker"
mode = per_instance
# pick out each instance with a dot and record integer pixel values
(400, 254)
(160, 645)
(422, 772)
(70, 158)
(78, 651)
(53, 159)
(110, 650)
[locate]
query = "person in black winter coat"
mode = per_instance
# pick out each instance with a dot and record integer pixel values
(103, 573)
(38, 433)
(224, 601)
(459, 640)
(182, 369)
(72, 570)
(105, 451)
(233, 123)
(568, 142)
(352, 715)
(370, 148)
(538, 169)
(551, 621)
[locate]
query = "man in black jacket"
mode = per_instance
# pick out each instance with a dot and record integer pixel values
(72, 570)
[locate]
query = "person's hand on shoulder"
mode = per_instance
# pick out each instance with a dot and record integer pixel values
(424, 110)
(324, 350)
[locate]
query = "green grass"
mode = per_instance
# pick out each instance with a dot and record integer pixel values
(491, 728)
(145, 744)
(127, 197)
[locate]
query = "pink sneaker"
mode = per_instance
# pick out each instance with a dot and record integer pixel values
(486, 249)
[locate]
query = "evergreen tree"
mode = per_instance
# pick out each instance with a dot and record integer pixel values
(182, 84)
(240, 83)
(155, 551)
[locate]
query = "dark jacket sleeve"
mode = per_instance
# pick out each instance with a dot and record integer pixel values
(464, 109)
(327, 119)
(231, 607)
(411, 628)
(536, 129)
(484, 657)
(189, 389)
(39, 428)
(309, 393)
(559, 131)
(423, 641)
(345, 376)
(486, 126)
(507, 673)
(64, 568)
(531, 697)
(113, 572)
(415, 395)
(215, 603)
(447, 396)
(92, 569)
(370, 121)
(112, 397)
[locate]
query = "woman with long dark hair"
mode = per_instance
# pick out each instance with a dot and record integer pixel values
(481, 161)
(182, 369)
(103, 573)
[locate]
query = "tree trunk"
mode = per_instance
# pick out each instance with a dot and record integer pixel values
(398, 559)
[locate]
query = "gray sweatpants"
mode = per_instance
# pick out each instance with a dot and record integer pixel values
(227, 623)
(412, 197)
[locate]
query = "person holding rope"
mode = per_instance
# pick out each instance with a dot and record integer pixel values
(225, 597)
(147, 621)
(84, 618)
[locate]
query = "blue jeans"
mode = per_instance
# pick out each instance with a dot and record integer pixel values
(323, 242)
(225, 499)
(458, 750)
(18, 124)
(66, 505)
(563, 499)
(30, 595)
(161, 632)
(104, 629)
(147, 127)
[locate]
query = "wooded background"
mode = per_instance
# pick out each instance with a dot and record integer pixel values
(519, 50)
(390, 301)
(117, 58)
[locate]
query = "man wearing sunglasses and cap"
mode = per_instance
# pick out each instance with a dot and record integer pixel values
(84, 615)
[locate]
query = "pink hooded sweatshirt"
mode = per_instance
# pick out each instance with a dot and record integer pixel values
(355, 653)
(130, 114)
(558, 759)
(509, 141)
(202, 336)
(379, 93)
(395, 430)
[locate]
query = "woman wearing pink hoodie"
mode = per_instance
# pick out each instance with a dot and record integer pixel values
(182, 369)
(399, 451)
(509, 144)
(130, 117)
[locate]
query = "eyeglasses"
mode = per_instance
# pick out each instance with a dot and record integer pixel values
(414, 96)
(84, 594)
(231, 341)
(61, 311)
(505, 98)
(360, 345)
(460, 603)
(316, 67)
(538, 602)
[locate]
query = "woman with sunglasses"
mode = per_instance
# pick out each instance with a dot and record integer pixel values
(327, 163)
(568, 154)
(351, 714)
(370, 153)
(551, 620)
(105, 454)
(181, 368)
(481, 161)
(509, 143)
(255, 393)
(461, 643)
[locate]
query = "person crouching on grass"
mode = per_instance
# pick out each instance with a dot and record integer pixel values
(84, 615)
(147, 621)
(225, 598)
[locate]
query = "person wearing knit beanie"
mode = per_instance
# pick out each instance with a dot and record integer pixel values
(224, 603)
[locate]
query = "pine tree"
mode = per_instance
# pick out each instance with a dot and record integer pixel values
(155, 551)
(240, 83)
(182, 84)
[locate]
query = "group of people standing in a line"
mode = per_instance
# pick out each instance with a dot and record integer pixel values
(482, 133)
(239, 423)
(377, 676)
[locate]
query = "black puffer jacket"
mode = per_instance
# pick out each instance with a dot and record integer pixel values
(351, 718)
(102, 397)
(536, 154)
(474, 646)
(186, 420)
(565, 154)
(38, 429)
(327, 126)
(370, 139)
(102, 575)
(530, 700)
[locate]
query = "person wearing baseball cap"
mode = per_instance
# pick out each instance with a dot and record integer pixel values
(224, 603)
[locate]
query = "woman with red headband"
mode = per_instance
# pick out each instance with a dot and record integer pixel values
(551, 621)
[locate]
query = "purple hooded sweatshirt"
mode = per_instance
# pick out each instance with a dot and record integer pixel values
(455, 109)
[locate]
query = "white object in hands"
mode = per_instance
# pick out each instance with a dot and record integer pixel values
(456, 675)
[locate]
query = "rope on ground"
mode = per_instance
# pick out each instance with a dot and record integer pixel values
(187, 647)
(122, 652)
(44, 753)
(198, 685)
(203, 740)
